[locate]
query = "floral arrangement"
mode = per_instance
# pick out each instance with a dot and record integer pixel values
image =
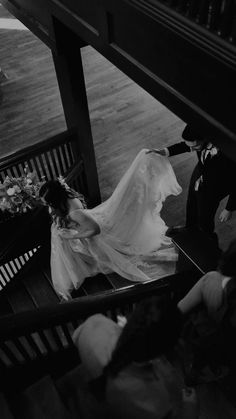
(19, 194)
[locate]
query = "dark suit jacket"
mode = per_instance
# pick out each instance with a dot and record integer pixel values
(218, 171)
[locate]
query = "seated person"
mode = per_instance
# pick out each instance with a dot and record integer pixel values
(211, 304)
(137, 380)
(96, 339)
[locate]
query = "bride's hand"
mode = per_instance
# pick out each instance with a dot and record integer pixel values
(68, 233)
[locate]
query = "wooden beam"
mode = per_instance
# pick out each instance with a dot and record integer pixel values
(35, 16)
(70, 76)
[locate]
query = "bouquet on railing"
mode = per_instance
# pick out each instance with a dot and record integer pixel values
(18, 195)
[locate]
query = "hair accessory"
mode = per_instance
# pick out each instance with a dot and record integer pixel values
(62, 181)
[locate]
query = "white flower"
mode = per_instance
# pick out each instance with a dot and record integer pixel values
(17, 189)
(214, 151)
(10, 191)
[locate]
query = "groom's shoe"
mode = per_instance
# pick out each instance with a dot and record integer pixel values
(172, 231)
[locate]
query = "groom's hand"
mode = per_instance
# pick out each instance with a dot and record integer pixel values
(162, 152)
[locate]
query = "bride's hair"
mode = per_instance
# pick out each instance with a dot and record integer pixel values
(56, 195)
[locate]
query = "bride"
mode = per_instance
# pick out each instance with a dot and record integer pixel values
(124, 234)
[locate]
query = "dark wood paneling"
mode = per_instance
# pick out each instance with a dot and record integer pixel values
(181, 64)
(87, 11)
(188, 69)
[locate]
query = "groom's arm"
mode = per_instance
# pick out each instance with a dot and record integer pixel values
(172, 150)
(178, 148)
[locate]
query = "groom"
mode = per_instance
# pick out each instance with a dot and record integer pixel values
(213, 178)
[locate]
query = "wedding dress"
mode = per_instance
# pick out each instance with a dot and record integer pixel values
(132, 241)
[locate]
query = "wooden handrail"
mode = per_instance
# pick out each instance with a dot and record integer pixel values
(12, 326)
(218, 17)
(199, 34)
(57, 155)
(23, 154)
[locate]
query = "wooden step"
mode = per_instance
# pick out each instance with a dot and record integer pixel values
(5, 411)
(198, 248)
(5, 307)
(41, 400)
(80, 292)
(47, 272)
(74, 392)
(97, 284)
(39, 288)
(118, 281)
(19, 298)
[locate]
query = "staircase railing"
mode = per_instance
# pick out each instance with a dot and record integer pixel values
(32, 341)
(50, 158)
(218, 16)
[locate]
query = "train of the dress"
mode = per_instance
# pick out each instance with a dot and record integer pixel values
(132, 241)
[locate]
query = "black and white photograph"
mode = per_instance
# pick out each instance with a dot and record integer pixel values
(117, 209)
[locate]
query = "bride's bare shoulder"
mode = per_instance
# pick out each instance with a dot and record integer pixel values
(74, 204)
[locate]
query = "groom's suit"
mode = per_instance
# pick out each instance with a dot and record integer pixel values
(213, 178)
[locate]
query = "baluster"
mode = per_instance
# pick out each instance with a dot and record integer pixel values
(213, 14)
(63, 162)
(21, 349)
(4, 274)
(45, 341)
(202, 12)
(49, 165)
(10, 355)
(192, 8)
(70, 154)
(232, 35)
(228, 13)
(36, 167)
(65, 157)
(35, 346)
(67, 334)
(42, 166)
(54, 164)
(173, 3)
(59, 160)
(183, 6)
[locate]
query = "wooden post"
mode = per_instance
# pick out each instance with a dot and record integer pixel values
(70, 76)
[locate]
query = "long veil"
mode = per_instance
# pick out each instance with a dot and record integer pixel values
(132, 213)
(132, 241)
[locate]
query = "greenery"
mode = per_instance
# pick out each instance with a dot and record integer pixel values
(19, 195)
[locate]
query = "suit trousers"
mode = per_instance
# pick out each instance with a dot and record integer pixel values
(202, 204)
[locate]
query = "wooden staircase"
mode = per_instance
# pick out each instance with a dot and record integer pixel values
(53, 385)
(49, 398)
(32, 287)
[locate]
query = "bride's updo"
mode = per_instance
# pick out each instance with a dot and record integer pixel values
(56, 194)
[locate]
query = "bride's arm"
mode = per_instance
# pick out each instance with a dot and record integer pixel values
(86, 226)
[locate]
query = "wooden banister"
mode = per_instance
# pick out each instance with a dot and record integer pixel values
(33, 150)
(40, 340)
(218, 16)
(58, 155)
(28, 322)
